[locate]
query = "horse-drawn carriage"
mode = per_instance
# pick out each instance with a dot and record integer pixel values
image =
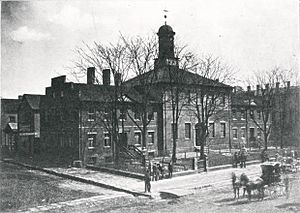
(270, 180)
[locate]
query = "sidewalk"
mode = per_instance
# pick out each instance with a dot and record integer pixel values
(176, 186)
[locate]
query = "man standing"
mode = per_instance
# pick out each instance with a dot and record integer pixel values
(147, 181)
(170, 168)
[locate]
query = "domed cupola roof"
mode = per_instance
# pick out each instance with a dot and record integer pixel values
(165, 29)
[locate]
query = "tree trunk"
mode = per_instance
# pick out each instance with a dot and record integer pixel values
(266, 140)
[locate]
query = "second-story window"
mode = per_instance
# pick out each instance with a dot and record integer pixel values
(12, 119)
(243, 114)
(223, 130)
(107, 140)
(234, 133)
(91, 114)
(211, 130)
(123, 114)
(187, 131)
(138, 138)
(234, 113)
(150, 116)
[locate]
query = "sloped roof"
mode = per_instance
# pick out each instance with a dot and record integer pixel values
(11, 127)
(9, 105)
(91, 92)
(33, 100)
(167, 76)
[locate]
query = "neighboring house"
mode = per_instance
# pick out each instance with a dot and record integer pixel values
(244, 107)
(29, 125)
(76, 120)
(9, 119)
(286, 116)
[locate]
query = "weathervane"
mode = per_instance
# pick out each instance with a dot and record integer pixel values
(165, 16)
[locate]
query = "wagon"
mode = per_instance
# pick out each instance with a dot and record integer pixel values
(271, 172)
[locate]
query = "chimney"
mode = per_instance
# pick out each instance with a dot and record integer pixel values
(217, 80)
(248, 88)
(117, 79)
(267, 86)
(90, 75)
(234, 89)
(288, 84)
(257, 89)
(277, 86)
(106, 77)
(20, 97)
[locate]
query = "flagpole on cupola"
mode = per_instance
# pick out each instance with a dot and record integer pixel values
(165, 16)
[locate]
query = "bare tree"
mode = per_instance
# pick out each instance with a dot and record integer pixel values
(209, 103)
(113, 57)
(266, 98)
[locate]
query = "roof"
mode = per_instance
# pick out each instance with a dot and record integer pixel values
(91, 92)
(11, 127)
(167, 76)
(33, 100)
(165, 29)
(9, 105)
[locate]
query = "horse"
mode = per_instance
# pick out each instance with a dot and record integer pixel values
(251, 185)
(236, 185)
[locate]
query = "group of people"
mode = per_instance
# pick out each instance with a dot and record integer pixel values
(156, 171)
(240, 158)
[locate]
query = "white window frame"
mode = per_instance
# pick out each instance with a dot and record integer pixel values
(91, 137)
(243, 131)
(135, 142)
(190, 130)
(236, 129)
(151, 131)
(106, 138)
(224, 133)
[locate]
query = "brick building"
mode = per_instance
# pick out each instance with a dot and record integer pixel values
(286, 116)
(29, 124)
(76, 121)
(9, 119)
(167, 77)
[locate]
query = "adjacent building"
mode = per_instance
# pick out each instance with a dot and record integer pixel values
(9, 128)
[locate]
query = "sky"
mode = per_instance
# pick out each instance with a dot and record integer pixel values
(38, 38)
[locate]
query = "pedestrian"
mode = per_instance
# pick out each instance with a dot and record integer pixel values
(153, 171)
(235, 160)
(286, 184)
(170, 169)
(161, 172)
(205, 163)
(147, 181)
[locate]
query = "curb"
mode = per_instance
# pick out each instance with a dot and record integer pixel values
(227, 166)
(79, 179)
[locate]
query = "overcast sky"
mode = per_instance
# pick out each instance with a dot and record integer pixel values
(38, 37)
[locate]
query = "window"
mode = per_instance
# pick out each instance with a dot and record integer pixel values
(137, 116)
(188, 96)
(243, 132)
(252, 114)
(211, 130)
(223, 130)
(12, 119)
(234, 114)
(138, 138)
(243, 114)
(174, 130)
(91, 141)
(91, 114)
(107, 141)
(259, 114)
(150, 116)
(150, 137)
(123, 114)
(222, 101)
(234, 133)
(187, 130)
(258, 133)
